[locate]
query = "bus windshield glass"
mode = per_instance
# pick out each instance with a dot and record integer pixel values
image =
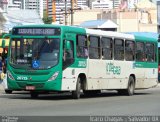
(34, 53)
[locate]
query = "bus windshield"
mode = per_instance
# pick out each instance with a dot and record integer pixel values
(34, 53)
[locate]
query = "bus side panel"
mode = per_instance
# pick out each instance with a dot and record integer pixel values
(70, 76)
(146, 75)
(97, 78)
(151, 75)
(111, 75)
(120, 71)
(68, 79)
(139, 73)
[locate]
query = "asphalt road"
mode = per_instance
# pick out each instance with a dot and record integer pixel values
(144, 102)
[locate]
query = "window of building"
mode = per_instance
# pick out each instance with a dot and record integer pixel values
(94, 47)
(119, 49)
(129, 50)
(106, 48)
(82, 49)
(150, 53)
(140, 51)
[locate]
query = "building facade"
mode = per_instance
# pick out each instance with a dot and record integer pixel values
(102, 4)
(132, 20)
(23, 4)
(56, 9)
(35, 5)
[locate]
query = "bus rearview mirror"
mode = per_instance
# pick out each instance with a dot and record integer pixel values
(68, 45)
(3, 43)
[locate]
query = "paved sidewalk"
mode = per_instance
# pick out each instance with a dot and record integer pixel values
(1, 87)
(158, 85)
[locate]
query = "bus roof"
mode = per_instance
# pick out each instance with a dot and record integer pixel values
(65, 28)
(48, 25)
(144, 36)
(140, 36)
(110, 34)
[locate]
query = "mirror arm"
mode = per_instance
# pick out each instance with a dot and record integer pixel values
(5, 35)
(3, 39)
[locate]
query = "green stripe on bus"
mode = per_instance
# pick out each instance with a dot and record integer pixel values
(80, 63)
(145, 65)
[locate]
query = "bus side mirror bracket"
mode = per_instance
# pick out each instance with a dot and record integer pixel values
(3, 43)
(67, 45)
(3, 39)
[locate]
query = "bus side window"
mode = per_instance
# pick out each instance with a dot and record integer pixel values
(106, 48)
(140, 53)
(129, 50)
(119, 49)
(68, 55)
(94, 47)
(150, 53)
(81, 46)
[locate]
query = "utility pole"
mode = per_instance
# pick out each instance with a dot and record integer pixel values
(113, 4)
(65, 14)
(72, 11)
(38, 9)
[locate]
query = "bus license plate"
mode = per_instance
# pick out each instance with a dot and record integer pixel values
(30, 87)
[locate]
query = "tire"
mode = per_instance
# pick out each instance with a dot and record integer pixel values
(76, 94)
(131, 86)
(8, 91)
(34, 95)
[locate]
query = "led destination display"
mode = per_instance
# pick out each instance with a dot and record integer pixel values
(36, 31)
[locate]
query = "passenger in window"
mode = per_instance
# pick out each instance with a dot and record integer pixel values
(86, 52)
(78, 51)
(144, 58)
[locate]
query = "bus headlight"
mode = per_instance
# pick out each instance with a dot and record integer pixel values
(54, 76)
(10, 75)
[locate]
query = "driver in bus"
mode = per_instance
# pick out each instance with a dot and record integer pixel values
(46, 46)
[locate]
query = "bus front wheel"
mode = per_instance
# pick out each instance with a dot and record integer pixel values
(8, 91)
(76, 94)
(131, 86)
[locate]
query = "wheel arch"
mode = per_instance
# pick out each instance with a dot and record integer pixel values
(134, 77)
(83, 80)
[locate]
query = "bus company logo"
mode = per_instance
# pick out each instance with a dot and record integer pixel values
(22, 78)
(111, 68)
(82, 64)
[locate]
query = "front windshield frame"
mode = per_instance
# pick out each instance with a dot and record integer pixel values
(28, 59)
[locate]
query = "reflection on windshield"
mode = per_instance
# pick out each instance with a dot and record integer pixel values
(35, 53)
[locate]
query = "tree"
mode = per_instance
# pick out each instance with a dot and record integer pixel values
(46, 19)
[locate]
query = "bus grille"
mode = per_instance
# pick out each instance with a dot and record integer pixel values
(37, 85)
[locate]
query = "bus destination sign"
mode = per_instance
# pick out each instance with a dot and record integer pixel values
(36, 31)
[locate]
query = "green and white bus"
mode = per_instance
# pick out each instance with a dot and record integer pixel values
(48, 58)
